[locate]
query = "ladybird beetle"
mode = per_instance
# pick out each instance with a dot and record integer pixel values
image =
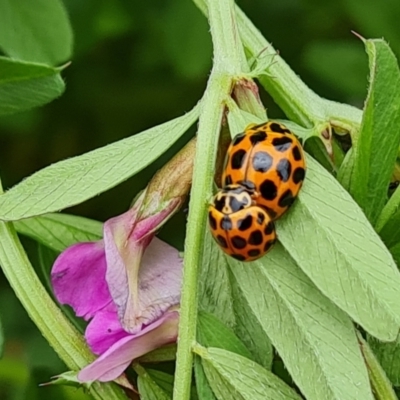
(268, 160)
(242, 229)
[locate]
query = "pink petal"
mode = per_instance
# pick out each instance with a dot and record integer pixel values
(160, 280)
(78, 278)
(125, 241)
(117, 358)
(104, 330)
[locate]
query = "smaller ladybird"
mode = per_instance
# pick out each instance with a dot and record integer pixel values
(268, 160)
(242, 229)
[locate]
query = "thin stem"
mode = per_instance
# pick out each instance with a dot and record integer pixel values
(57, 330)
(228, 61)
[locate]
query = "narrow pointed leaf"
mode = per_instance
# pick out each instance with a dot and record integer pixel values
(215, 294)
(162, 379)
(330, 238)
(250, 331)
(375, 148)
(26, 85)
(388, 224)
(381, 386)
(77, 179)
(58, 231)
(232, 376)
(211, 332)
(37, 30)
(165, 353)
(204, 391)
(149, 390)
(388, 355)
(310, 333)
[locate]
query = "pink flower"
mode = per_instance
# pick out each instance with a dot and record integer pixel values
(128, 286)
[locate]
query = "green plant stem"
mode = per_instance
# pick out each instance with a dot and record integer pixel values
(57, 330)
(381, 386)
(228, 61)
(296, 99)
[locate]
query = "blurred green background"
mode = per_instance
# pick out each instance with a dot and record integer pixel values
(135, 65)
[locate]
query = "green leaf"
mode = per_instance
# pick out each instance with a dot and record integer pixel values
(162, 379)
(388, 355)
(332, 241)
(26, 85)
(388, 224)
(211, 332)
(232, 376)
(250, 331)
(149, 390)
(215, 294)
(203, 388)
(165, 353)
(37, 30)
(77, 179)
(216, 297)
(311, 334)
(375, 148)
(58, 231)
(381, 386)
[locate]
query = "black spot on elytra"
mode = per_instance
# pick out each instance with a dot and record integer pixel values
(268, 245)
(222, 241)
(298, 174)
(256, 238)
(269, 228)
(239, 257)
(268, 190)
(262, 161)
(212, 221)
(260, 218)
(237, 159)
(296, 153)
(284, 169)
(219, 204)
(228, 180)
(238, 138)
(245, 223)
(258, 137)
(287, 199)
(226, 224)
(282, 143)
(254, 253)
(238, 242)
(278, 128)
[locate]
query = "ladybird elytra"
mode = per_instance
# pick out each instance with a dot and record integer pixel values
(268, 160)
(242, 229)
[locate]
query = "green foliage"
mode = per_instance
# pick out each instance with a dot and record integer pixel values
(26, 85)
(368, 168)
(38, 31)
(77, 179)
(272, 328)
(232, 376)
